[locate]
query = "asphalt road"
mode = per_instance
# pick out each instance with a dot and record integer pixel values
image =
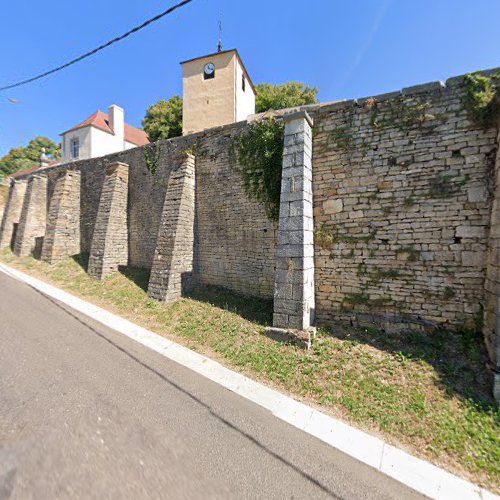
(87, 413)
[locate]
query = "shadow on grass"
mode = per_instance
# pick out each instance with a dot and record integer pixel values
(252, 309)
(140, 277)
(458, 357)
(82, 260)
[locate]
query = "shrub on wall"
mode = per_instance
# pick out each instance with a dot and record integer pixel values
(481, 98)
(259, 153)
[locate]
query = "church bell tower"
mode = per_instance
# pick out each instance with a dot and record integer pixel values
(217, 90)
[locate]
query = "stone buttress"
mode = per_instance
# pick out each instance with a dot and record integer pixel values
(12, 212)
(491, 326)
(173, 270)
(62, 236)
(109, 248)
(294, 280)
(31, 229)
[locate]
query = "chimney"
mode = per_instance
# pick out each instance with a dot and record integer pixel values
(116, 118)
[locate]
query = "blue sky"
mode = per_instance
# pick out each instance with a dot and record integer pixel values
(347, 48)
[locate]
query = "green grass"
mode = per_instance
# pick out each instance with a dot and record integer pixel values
(427, 392)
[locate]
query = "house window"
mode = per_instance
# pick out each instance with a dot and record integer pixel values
(243, 83)
(75, 147)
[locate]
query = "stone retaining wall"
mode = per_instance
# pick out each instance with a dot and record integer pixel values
(234, 241)
(402, 200)
(405, 199)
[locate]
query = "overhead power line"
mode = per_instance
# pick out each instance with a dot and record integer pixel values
(101, 47)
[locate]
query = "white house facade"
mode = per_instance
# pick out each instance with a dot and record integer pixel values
(101, 134)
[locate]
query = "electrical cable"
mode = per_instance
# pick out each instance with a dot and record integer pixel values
(101, 47)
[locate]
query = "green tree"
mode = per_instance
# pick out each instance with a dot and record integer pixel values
(163, 120)
(27, 156)
(34, 148)
(284, 95)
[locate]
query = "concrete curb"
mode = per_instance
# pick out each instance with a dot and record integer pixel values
(418, 474)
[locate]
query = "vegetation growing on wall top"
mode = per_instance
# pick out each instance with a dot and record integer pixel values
(402, 114)
(259, 151)
(481, 98)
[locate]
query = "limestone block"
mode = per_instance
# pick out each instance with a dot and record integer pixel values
(477, 194)
(470, 231)
(474, 259)
(333, 206)
(427, 256)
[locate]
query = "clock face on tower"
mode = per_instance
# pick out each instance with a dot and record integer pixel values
(209, 70)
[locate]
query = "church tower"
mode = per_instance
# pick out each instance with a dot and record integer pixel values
(216, 91)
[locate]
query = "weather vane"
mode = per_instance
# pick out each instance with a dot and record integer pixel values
(219, 46)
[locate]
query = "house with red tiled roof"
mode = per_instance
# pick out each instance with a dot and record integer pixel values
(101, 134)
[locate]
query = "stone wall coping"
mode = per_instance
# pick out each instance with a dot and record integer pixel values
(299, 115)
(118, 164)
(182, 156)
(423, 87)
(345, 103)
(406, 91)
(118, 168)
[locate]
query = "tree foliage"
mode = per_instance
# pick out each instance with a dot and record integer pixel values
(284, 95)
(163, 120)
(27, 156)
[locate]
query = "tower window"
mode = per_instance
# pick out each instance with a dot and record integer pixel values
(243, 83)
(75, 147)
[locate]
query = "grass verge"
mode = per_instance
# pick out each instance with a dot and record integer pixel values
(425, 392)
